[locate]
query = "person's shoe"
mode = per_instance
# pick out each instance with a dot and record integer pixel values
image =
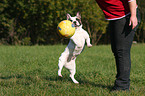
(115, 89)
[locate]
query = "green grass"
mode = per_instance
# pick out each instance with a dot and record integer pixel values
(32, 71)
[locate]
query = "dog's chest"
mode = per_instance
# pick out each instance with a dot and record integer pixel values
(79, 34)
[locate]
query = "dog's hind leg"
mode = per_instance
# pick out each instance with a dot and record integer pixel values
(72, 68)
(60, 66)
(63, 60)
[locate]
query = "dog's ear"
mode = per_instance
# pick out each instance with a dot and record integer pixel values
(68, 16)
(78, 15)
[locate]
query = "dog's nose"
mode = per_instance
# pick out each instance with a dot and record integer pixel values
(75, 22)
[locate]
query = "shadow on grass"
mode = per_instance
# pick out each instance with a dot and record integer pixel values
(11, 76)
(81, 81)
(85, 82)
(57, 78)
(54, 78)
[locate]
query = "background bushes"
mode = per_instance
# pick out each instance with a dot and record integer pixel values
(30, 22)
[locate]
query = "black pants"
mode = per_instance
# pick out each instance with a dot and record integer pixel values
(121, 40)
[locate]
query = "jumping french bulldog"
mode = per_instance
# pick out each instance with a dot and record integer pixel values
(74, 48)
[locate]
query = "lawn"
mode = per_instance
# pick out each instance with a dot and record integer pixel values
(32, 71)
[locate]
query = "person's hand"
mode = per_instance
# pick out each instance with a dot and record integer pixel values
(133, 21)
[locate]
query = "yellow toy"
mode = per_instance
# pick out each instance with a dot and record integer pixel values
(66, 28)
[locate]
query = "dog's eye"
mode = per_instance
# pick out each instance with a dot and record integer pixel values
(71, 20)
(77, 19)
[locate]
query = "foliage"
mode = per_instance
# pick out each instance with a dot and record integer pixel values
(35, 21)
(140, 34)
(32, 71)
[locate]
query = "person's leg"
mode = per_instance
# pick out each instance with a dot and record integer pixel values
(121, 41)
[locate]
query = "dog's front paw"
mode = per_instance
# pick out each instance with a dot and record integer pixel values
(89, 45)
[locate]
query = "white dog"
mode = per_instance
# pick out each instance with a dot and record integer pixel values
(74, 48)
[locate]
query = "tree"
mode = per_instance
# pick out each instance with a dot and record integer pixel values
(30, 22)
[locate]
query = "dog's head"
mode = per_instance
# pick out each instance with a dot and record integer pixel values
(75, 20)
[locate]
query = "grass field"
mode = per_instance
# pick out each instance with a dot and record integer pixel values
(32, 71)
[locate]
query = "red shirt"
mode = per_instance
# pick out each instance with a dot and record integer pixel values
(114, 9)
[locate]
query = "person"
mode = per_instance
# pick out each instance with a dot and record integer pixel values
(124, 17)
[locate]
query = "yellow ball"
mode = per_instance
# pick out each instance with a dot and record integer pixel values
(66, 28)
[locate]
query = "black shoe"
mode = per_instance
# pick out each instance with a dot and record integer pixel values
(115, 89)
